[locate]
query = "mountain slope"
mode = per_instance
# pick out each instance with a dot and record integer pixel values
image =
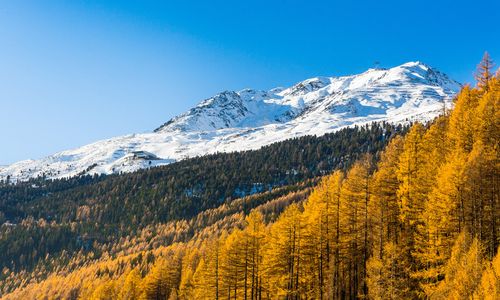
(91, 212)
(250, 119)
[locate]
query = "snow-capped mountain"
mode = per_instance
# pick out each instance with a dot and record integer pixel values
(250, 119)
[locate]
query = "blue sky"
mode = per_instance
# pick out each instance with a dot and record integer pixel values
(73, 72)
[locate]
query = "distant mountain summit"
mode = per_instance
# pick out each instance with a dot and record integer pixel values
(250, 119)
(373, 92)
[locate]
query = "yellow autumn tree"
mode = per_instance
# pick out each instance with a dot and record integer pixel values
(321, 236)
(104, 291)
(241, 260)
(190, 262)
(412, 192)
(334, 185)
(442, 220)
(482, 199)
(484, 72)
(131, 287)
(207, 278)
(485, 161)
(163, 279)
(233, 262)
(387, 277)
(254, 234)
(415, 183)
(463, 270)
(201, 285)
(355, 195)
(383, 207)
(489, 287)
(282, 260)
(462, 119)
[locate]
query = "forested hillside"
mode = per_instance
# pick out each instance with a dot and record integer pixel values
(59, 219)
(417, 221)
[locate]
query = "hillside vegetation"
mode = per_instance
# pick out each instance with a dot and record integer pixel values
(47, 223)
(418, 221)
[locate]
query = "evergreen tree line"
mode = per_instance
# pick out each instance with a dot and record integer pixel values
(46, 217)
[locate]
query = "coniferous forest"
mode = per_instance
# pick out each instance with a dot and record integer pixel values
(378, 212)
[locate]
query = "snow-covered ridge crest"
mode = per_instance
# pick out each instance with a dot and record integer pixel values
(250, 119)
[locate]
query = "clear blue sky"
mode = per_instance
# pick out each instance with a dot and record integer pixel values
(73, 72)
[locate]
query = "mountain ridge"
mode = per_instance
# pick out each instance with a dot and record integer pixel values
(249, 119)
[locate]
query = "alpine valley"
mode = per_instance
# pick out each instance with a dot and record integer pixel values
(249, 119)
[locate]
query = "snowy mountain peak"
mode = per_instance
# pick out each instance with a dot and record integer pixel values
(306, 86)
(416, 63)
(250, 108)
(249, 119)
(220, 111)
